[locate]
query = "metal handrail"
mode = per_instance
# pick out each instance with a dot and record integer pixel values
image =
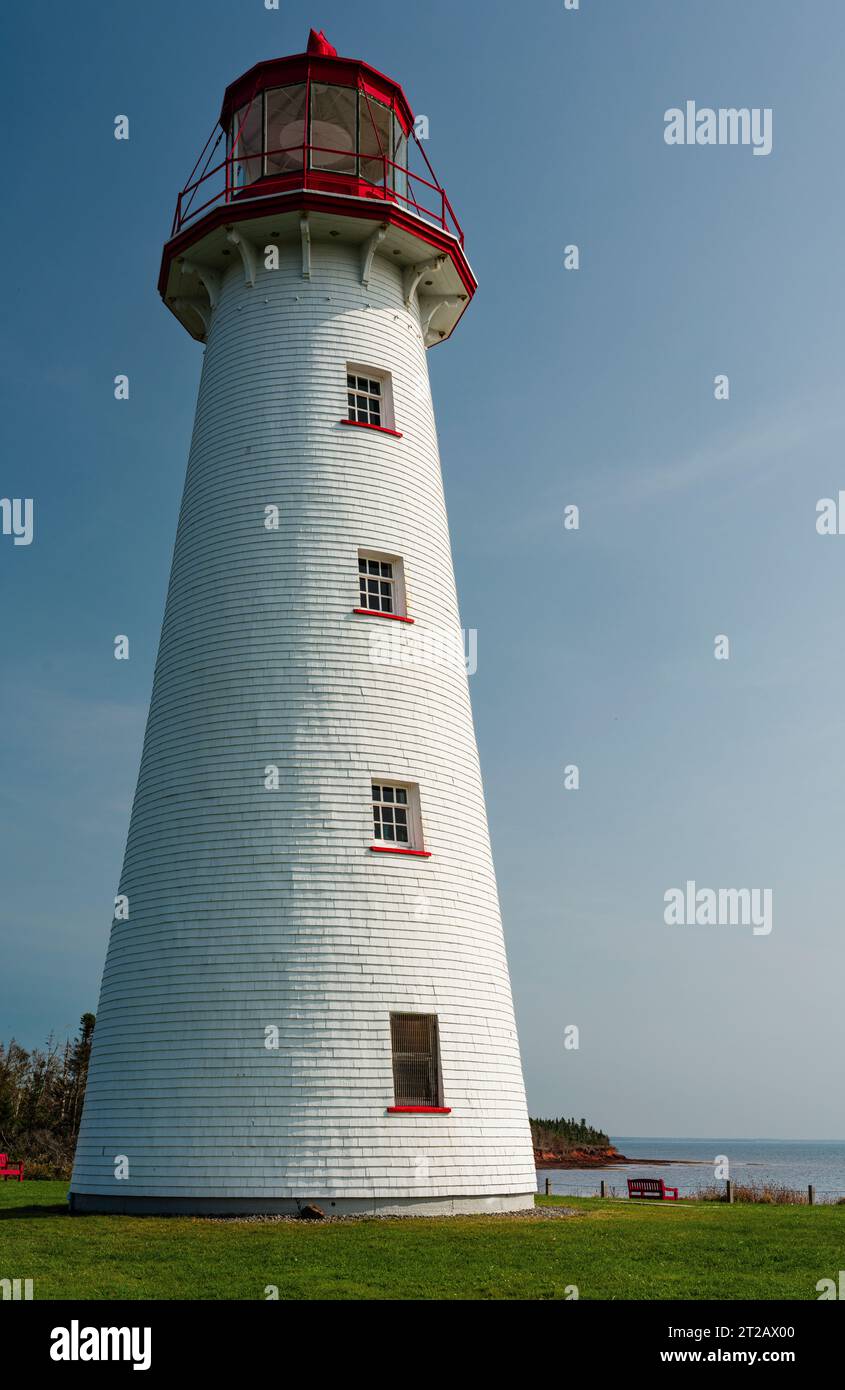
(185, 215)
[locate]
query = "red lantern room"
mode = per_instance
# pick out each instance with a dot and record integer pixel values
(311, 147)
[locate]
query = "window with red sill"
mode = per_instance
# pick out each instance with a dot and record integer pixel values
(397, 822)
(415, 1046)
(381, 585)
(396, 816)
(369, 399)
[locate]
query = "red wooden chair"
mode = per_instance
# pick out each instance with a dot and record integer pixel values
(7, 1171)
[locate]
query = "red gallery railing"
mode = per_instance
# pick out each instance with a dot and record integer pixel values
(422, 197)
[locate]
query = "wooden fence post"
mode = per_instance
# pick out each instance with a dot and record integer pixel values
(729, 1190)
(602, 1192)
(811, 1195)
(548, 1187)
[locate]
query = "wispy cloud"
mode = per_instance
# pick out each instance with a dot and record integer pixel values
(747, 453)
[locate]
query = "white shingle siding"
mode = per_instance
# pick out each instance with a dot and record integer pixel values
(251, 907)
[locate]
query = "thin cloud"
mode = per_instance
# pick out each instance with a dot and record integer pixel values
(745, 454)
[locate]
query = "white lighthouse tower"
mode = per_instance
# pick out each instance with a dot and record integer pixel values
(306, 995)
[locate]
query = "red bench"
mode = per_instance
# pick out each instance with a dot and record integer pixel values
(652, 1187)
(7, 1171)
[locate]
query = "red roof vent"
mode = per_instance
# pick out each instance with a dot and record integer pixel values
(319, 44)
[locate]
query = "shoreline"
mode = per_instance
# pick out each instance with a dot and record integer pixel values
(606, 1160)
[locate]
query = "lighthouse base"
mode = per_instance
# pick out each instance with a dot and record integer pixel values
(289, 1206)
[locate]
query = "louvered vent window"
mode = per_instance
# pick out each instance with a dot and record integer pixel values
(416, 1060)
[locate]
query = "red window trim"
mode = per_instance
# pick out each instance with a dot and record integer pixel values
(365, 425)
(374, 613)
(419, 1110)
(396, 849)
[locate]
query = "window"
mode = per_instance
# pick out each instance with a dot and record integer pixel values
(396, 814)
(248, 143)
(334, 128)
(365, 399)
(416, 1061)
(285, 129)
(381, 586)
(400, 158)
(390, 814)
(369, 398)
(397, 822)
(377, 584)
(375, 122)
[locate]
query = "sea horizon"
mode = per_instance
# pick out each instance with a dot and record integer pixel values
(691, 1164)
(706, 1139)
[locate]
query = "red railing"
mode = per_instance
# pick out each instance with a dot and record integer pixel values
(397, 184)
(421, 196)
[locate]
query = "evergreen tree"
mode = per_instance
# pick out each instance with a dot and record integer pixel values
(41, 1095)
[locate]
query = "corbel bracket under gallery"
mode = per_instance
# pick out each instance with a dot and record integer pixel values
(414, 274)
(429, 307)
(247, 251)
(368, 252)
(199, 306)
(305, 235)
(209, 277)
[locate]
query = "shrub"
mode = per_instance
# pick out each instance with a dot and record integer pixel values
(45, 1172)
(766, 1193)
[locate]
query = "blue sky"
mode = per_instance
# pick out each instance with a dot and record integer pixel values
(592, 387)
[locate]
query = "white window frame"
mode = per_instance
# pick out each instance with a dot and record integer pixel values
(385, 398)
(414, 819)
(400, 609)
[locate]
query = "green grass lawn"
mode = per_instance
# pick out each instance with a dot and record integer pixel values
(609, 1250)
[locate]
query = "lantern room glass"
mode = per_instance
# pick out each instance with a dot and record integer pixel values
(375, 139)
(399, 172)
(334, 128)
(346, 130)
(285, 125)
(247, 144)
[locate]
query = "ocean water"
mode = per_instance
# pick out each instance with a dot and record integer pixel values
(791, 1163)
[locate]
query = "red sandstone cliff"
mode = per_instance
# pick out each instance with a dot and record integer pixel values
(586, 1157)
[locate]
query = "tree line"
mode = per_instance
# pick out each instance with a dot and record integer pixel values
(41, 1095)
(567, 1134)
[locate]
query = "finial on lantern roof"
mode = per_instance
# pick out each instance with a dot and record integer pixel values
(318, 43)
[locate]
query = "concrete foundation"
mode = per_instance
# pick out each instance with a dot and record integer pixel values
(289, 1206)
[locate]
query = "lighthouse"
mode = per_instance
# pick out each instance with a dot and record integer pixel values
(306, 995)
